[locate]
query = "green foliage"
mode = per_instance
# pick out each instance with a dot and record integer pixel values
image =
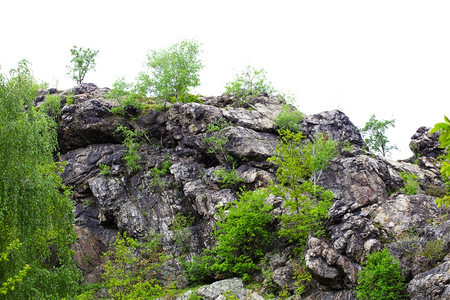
(308, 203)
(444, 139)
(217, 140)
(52, 106)
(171, 72)
(132, 268)
(242, 234)
(381, 278)
(104, 169)
(125, 97)
(132, 156)
(322, 151)
(412, 186)
(228, 178)
(82, 61)
(435, 249)
(182, 234)
(251, 82)
(35, 210)
(69, 99)
(375, 137)
(199, 269)
(290, 118)
(157, 181)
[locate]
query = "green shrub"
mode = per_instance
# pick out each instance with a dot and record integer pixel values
(52, 106)
(243, 231)
(444, 139)
(381, 278)
(69, 99)
(227, 178)
(123, 93)
(217, 140)
(182, 234)
(289, 118)
(132, 156)
(104, 169)
(435, 249)
(297, 161)
(132, 268)
(412, 186)
(157, 181)
(251, 82)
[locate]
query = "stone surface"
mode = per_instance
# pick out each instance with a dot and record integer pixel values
(369, 210)
(431, 285)
(219, 289)
(424, 144)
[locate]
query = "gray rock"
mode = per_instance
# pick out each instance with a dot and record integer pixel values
(328, 267)
(355, 182)
(424, 144)
(331, 295)
(431, 285)
(87, 122)
(336, 125)
(218, 289)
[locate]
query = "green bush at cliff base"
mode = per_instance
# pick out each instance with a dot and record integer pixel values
(381, 278)
(243, 232)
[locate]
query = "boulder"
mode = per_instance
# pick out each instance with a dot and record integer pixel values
(220, 289)
(336, 125)
(431, 285)
(424, 144)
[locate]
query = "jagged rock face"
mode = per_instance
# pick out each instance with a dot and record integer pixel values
(425, 144)
(433, 284)
(369, 210)
(334, 124)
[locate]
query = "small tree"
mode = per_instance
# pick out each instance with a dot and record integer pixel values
(444, 128)
(172, 71)
(251, 82)
(82, 61)
(381, 278)
(374, 135)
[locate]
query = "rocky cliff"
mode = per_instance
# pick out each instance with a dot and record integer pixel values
(369, 210)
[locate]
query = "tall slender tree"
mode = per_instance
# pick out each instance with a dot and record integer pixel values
(35, 211)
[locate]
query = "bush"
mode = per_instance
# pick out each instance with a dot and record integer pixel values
(381, 278)
(52, 106)
(289, 118)
(297, 161)
(251, 82)
(171, 72)
(412, 186)
(227, 178)
(124, 96)
(132, 268)
(242, 234)
(132, 156)
(217, 140)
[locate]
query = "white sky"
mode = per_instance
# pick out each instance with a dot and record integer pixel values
(389, 58)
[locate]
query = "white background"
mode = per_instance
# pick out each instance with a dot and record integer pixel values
(388, 58)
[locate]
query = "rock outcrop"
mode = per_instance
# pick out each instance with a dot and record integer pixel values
(370, 210)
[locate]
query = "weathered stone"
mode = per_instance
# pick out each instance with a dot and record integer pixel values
(431, 285)
(355, 182)
(336, 125)
(331, 295)
(85, 123)
(219, 289)
(424, 144)
(328, 267)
